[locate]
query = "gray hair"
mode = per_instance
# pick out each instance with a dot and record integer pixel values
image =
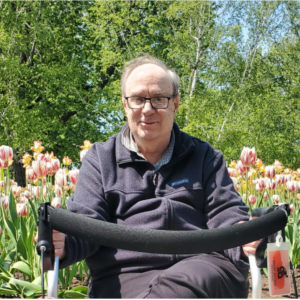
(147, 59)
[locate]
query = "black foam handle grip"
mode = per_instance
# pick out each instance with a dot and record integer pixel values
(165, 241)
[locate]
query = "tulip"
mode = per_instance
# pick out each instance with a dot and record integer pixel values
(73, 175)
(265, 195)
(23, 200)
(61, 178)
(2, 183)
(258, 163)
(292, 186)
(231, 172)
(287, 171)
(291, 208)
(37, 146)
(279, 178)
(252, 199)
(36, 191)
(82, 154)
(241, 168)
(58, 190)
(67, 161)
(27, 194)
(3, 164)
(5, 201)
(278, 166)
(6, 153)
(276, 199)
(26, 159)
(248, 156)
(287, 177)
(16, 190)
(262, 183)
(258, 188)
(232, 164)
(31, 176)
(270, 171)
(271, 184)
(86, 145)
(55, 163)
(40, 168)
(22, 209)
(56, 202)
(262, 168)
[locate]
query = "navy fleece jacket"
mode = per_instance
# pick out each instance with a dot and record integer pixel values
(192, 192)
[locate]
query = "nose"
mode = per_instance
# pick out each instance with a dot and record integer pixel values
(148, 107)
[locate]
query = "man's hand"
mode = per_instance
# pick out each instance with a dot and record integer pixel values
(250, 247)
(58, 242)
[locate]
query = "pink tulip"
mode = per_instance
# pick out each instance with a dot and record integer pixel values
(292, 186)
(58, 190)
(40, 168)
(265, 195)
(36, 191)
(279, 178)
(231, 172)
(271, 184)
(27, 194)
(82, 154)
(4, 201)
(3, 164)
(56, 202)
(258, 188)
(270, 171)
(291, 208)
(22, 209)
(61, 178)
(31, 176)
(276, 199)
(55, 164)
(2, 183)
(248, 156)
(287, 177)
(252, 199)
(241, 168)
(73, 175)
(6, 153)
(16, 190)
(262, 183)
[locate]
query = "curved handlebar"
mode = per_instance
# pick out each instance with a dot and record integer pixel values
(165, 241)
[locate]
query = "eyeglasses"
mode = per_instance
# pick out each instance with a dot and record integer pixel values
(156, 102)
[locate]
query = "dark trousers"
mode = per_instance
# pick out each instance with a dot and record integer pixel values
(201, 276)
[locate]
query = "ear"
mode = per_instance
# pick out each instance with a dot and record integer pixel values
(124, 102)
(176, 103)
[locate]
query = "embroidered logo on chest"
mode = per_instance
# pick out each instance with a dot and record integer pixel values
(175, 183)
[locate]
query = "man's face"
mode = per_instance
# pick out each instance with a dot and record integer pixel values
(148, 124)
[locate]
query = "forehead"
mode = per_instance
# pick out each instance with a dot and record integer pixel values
(149, 78)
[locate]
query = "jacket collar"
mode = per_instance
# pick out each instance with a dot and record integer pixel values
(183, 146)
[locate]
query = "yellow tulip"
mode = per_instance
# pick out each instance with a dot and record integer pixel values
(37, 146)
(232, 164)
(26, 159)
(258, 163)
(67, 161)
(86, 145)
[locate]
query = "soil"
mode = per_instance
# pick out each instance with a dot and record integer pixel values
(264, 279)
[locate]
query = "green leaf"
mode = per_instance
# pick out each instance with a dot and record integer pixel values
(71, 294)
(12, 210)
(81, 289)
(4, 291)
(19, 286)
(34, 213)
(10, 227)
(23, 267)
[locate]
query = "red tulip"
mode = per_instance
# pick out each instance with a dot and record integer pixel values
(248, 156)
(258, 188)
(31, 176)
(231, 172)
(58, 190)
(265, 195)
(252, 199)
(5, 202)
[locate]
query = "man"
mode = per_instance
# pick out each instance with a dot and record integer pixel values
(152, 175)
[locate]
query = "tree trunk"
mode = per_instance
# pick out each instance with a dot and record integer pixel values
(19, 172)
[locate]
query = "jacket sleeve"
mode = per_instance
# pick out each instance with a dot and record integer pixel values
(88, 200)
(223, 206)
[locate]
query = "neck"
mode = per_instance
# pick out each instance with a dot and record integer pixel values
(152, 150)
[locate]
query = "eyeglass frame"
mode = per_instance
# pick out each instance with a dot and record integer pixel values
(145, 99)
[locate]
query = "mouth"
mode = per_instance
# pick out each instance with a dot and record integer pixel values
(143, 123)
